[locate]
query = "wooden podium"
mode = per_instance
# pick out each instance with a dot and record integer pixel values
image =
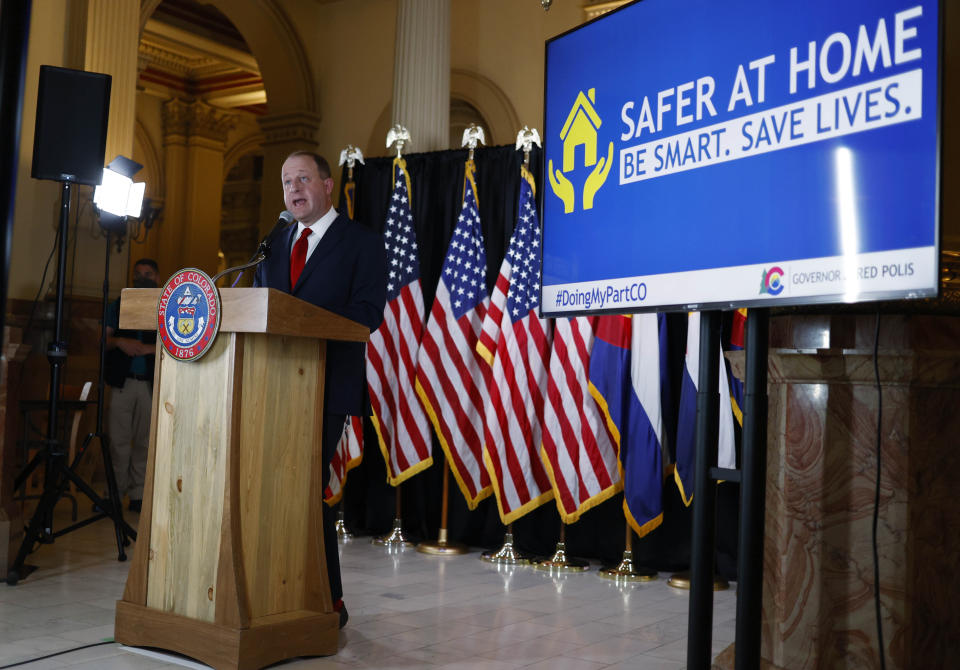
(229, 563)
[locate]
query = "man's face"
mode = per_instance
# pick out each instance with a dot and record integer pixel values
(305, 192)
(144, 276)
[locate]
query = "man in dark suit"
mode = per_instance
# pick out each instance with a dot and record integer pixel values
(334, 263)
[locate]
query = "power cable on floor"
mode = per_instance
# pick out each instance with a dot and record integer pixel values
(58, 653)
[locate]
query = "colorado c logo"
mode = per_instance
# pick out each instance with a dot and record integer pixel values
(772, 281)
(580, 128)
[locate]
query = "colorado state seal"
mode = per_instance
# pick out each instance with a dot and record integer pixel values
(188, 314)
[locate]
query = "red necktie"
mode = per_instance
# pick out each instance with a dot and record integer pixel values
(298, 258)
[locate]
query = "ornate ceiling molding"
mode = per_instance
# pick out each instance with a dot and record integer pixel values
(195, 119)
(295, 127)
(173, 62)
(256, 37)
(177, 62)
(194, 47)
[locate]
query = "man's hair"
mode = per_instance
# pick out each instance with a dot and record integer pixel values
(148, 261)
(323, 167)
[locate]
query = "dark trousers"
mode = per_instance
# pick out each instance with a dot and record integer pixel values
(332, 430)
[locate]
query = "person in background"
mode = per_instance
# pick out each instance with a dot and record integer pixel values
(128, 370)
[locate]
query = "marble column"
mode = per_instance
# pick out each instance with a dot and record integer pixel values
(103, 36)
(421, 73)
(818, 602)
(194, 139)
(112, 37)
(283, 134)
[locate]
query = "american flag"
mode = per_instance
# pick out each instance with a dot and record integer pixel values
(347, 456)
(578, 446)
(402, 426)
(516, 343)
(451, 378)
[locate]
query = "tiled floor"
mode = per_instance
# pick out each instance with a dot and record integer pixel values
(407, 610)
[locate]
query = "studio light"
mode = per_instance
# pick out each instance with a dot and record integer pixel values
(118, 194)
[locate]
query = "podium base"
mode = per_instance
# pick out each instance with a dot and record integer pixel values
(268, 640)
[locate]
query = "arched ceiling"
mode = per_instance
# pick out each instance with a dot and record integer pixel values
(189, 49)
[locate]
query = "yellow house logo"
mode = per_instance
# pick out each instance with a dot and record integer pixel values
(580, 128)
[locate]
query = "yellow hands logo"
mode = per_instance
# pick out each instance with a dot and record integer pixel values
(580, 128)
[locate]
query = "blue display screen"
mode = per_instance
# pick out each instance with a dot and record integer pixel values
(738, 153)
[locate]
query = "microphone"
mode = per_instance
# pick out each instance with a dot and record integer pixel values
(285, 219)
(263, 249)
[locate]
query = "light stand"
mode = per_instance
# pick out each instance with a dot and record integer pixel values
(123, 530)
(57, 474)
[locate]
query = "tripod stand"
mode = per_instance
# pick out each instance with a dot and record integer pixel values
(57, 474)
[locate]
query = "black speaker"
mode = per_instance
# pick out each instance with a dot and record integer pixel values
(73, 107)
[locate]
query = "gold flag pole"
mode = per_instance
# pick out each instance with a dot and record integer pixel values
(626, 571)
(443, 546)
(395, 537)
(559, 562)
(507, 554)
(397, 136)
(350, 155)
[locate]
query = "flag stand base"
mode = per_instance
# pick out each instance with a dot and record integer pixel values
(343, 535)
(442, 547)
(560, 563)
(505, 555)
(627, 572)
(393, 539)
(681, 580)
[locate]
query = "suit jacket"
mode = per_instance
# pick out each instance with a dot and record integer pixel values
(346, 274)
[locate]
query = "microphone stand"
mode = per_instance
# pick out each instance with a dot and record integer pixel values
(260, 255)
(255, 260)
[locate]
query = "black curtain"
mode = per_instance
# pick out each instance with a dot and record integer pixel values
(437, 190)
